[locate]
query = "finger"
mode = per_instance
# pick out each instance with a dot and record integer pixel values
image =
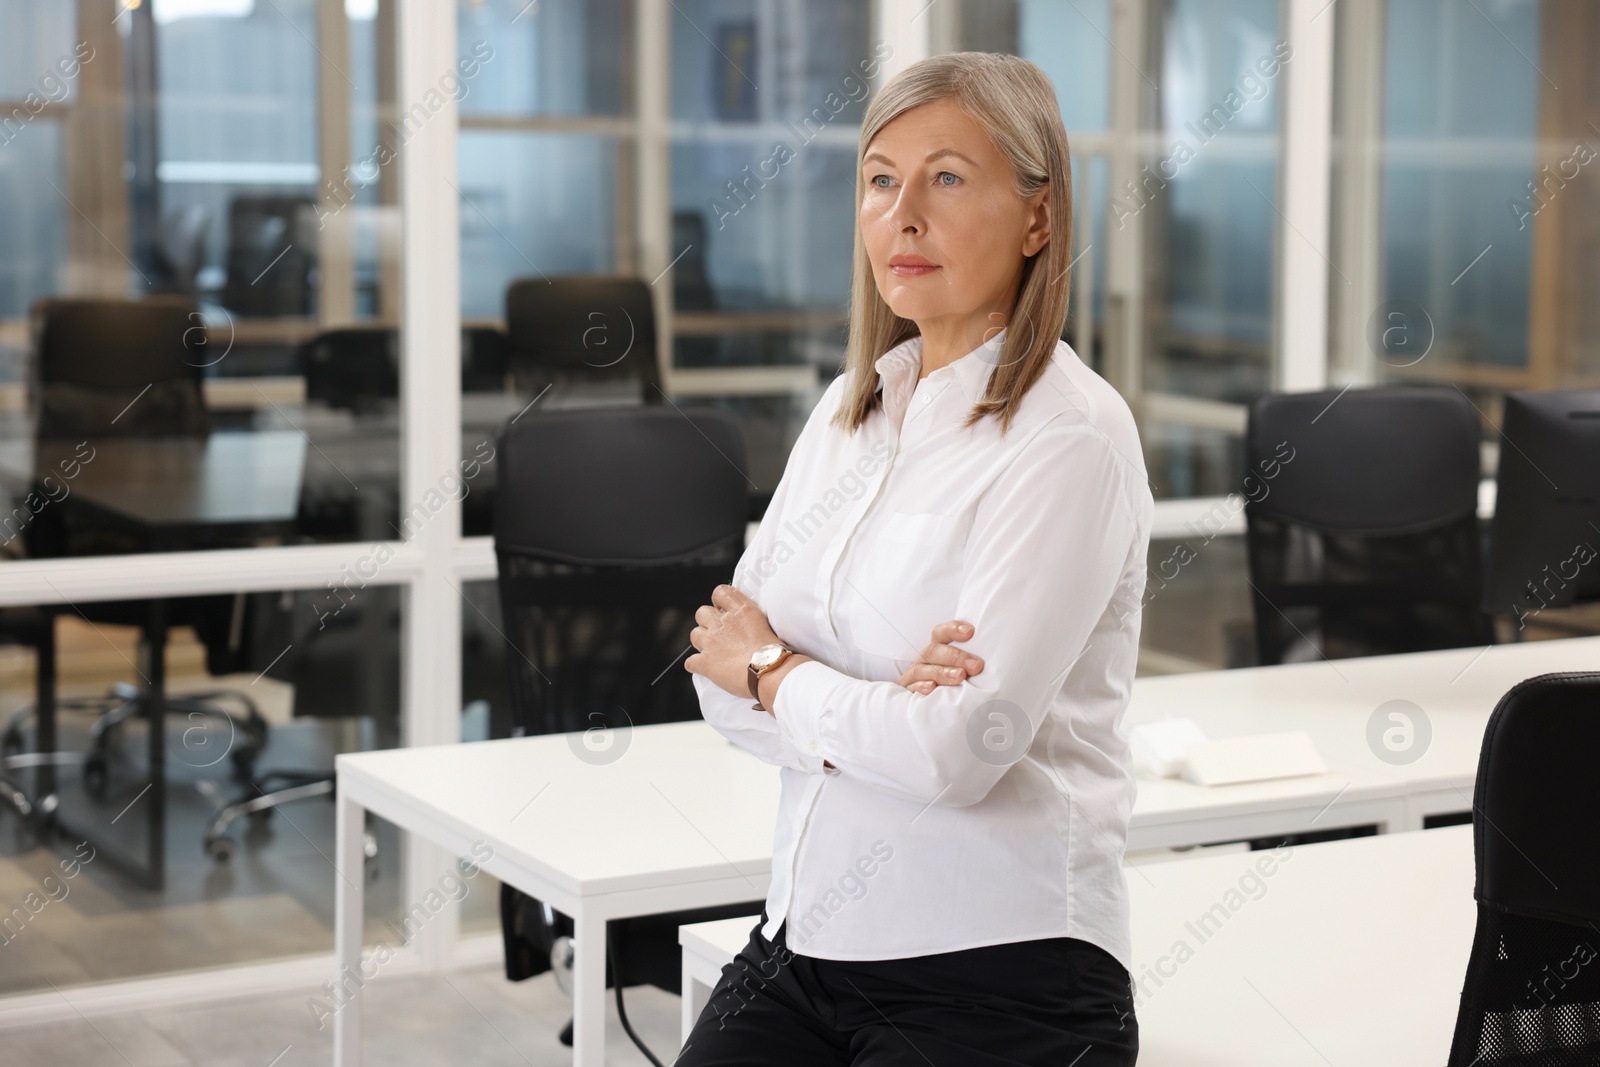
(954, 630)
(928, 672)
(728, 597)
(692, 664)
(943, 656)
(950, 656)
(697, 637)
(913, 681)
(706, 614)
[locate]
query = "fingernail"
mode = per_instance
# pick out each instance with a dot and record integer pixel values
(954, 672)
(972, 664)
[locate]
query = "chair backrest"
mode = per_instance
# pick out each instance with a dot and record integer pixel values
(611, 526)
(358, 367)
(107, 368)
(483, 359)
(272, 255)
(355, 367)
(1362, 528)
(1532, 991)
(691, 281)
(582, 329)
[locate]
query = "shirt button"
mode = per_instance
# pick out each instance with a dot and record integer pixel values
(927, 398)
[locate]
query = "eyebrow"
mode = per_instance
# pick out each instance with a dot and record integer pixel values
(940, 154)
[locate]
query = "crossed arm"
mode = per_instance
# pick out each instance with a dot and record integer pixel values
(733, 626)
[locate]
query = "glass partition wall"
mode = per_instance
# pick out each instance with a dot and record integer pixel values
(209, 580)
(279, 271)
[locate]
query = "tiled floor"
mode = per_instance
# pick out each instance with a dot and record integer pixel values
(464, 1017)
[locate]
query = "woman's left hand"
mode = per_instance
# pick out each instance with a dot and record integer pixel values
(727, 631)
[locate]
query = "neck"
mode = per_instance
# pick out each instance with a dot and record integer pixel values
(946, 340)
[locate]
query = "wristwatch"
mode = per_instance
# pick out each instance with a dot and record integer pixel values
(762, 660)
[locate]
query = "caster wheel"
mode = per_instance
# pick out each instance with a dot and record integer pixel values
(369, 846)
(11, 742)
(221, 849)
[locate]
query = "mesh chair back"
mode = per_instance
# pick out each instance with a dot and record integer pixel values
(611, 526)
(129, 368)
(1532, 991)
(355, 368)
(582, 329)
(1362, 523)
(272, 255)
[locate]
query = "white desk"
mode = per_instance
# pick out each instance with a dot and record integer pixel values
(1332, 701)
(684, 819)
(1349, 952)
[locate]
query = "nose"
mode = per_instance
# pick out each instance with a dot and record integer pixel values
(905, 214)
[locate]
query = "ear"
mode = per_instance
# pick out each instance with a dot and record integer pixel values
(1037, 234)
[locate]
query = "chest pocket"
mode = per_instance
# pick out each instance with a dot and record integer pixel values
(906, 579)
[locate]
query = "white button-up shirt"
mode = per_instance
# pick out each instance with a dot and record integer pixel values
(982, 813)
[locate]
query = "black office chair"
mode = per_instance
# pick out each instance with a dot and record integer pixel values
(691, 286)
(272, 255)
(32, 796)
(356, 368)
(107, 368)
(485, 359)
(582, 330)
(1362, 525)
(95, 358)
(613, 525)
(1532, 991)
(333, 664)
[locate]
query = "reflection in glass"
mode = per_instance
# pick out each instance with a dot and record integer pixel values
(262, 691)
(216, 160)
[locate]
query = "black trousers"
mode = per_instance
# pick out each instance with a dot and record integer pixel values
(1057, 1001)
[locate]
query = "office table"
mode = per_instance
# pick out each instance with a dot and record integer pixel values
(681, 819)
(165, 493)
(684, 818)
(172, 491)
(1334, 701)
(1346, 952)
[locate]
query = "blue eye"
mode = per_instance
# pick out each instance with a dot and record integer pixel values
(947, 174)
(875, 178)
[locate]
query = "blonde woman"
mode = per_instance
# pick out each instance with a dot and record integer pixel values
(934, 630)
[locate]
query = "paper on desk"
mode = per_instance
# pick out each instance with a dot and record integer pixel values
(1179, 748)
(1252, 759)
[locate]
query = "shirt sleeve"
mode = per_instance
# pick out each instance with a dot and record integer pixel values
(733, 716)
(1050, 542)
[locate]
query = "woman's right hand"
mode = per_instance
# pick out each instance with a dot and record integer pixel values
(941, 663)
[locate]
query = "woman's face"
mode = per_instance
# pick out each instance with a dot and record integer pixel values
(937, 191)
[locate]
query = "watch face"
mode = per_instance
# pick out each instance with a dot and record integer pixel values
(765, 656)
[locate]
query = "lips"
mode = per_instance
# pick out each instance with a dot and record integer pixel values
(911, 266)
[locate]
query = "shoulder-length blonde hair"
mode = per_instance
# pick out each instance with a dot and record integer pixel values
(1014, 100)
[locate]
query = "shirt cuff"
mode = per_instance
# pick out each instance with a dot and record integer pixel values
(803, 709)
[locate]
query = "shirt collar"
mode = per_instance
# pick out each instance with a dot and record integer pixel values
(901, 364)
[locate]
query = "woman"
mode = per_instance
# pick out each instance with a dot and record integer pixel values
(947, 879)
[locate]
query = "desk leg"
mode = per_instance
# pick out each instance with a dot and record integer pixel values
(155, 709)
(348, 915)
(588, 990)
